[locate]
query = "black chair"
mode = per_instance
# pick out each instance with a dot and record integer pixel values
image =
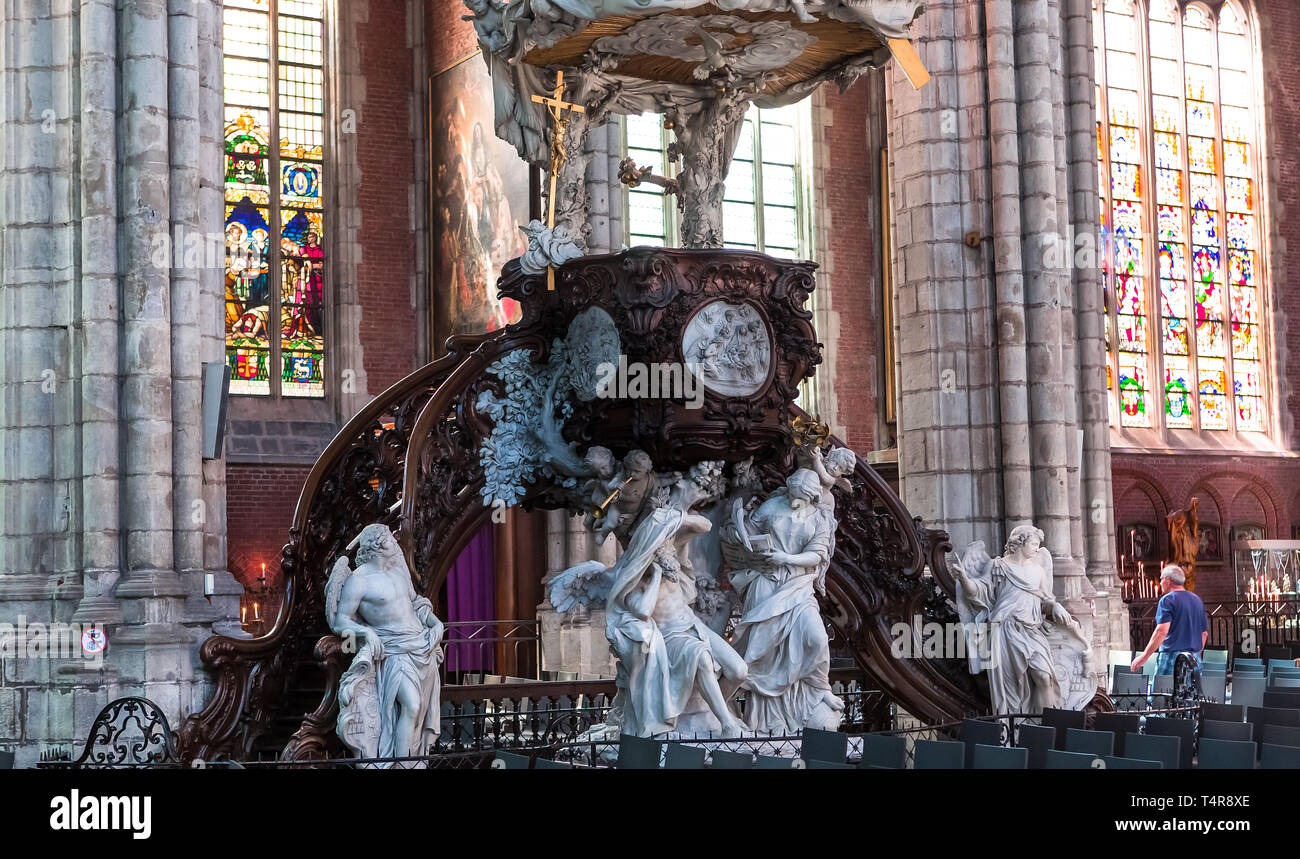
(1115, 762)
(724, 760)
(548, 764)
(680, 757)
(1215, 730)
(1062, 721)
(818, 745)
(938, 755)
(1118, 724)
(1280, 757)
(1223, 712)
(883, 751)
(1280, 652)
(1099, 744)
(1281, 700)
(511, 761)
(772, 762)
(979, 732)
(6, 760)
(1183, 729)
(1155, 747)
(1281, 735)
(999, 758)
(637, 753)
(1037, 739)
(1225, 755)
(1059, 760)
(827, 765)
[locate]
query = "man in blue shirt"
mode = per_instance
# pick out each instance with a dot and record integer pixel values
(1181, 623)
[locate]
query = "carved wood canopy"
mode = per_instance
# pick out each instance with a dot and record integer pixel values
(831, 43)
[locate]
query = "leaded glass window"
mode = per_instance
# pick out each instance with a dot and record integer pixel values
(1179, 215)
(764, 187)
(274, 143)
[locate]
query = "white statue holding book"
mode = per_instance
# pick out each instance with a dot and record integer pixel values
(779, 554)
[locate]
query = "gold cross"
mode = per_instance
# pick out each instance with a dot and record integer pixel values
(556, 107)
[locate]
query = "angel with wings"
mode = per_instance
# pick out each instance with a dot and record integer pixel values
(1033, 649)
(388, 697)
(674, 673)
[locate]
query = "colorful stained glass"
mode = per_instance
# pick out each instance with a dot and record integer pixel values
(1236, 158)
(270, 275)
(1201, 93)
(1172, 265)
(1241, 231)
(1204, 191)
(1133, 390)
(1204, 227)
(1213, 391)
(1175, 335)
(1200, 118)
(1170, 224)
(1241, 268)
(1169, 186)
(1124, 144)
(1209, 337)
(1168, 113)
(1240, 197)
(1200, 155)
(1125, 107)
(1178, 394)
(1248, 395)
(1168, 152)
(1126, 181)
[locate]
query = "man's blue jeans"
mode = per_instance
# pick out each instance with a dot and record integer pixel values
(1165, 660)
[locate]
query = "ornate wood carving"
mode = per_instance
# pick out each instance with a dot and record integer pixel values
(410, 460)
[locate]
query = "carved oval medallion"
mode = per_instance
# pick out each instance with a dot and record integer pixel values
(728, 348)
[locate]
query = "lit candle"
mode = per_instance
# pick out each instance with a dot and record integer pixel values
(256, 614)
(243, 614)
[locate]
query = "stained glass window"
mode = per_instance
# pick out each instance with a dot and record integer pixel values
(760, 206)
(1182, 305)
(274, 115)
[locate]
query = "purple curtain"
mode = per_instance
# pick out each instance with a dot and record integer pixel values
(471, 601)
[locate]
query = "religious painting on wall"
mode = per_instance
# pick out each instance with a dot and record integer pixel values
(481, 193)
(1241, 533)
(1138, 542)
(1210, 552)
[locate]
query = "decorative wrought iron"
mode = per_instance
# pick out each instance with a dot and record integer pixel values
(129, 732)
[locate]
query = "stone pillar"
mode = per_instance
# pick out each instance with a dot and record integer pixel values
(110, 514)
(1002, 418)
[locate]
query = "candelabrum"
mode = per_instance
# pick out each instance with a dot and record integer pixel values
(1135, 582)
(253, 605)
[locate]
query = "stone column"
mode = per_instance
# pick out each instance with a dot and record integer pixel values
(110, 171)
(999, 393)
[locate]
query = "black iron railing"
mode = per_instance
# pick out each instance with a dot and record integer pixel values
(1244, 625)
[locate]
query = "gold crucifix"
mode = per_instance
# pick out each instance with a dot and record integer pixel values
(556, 107)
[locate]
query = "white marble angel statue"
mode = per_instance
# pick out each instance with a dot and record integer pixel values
(779, 554)
(1033, 649)
(675, 675)
(388, 697)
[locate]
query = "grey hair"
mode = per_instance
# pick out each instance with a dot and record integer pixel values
(1175, 574)
(1020, 536)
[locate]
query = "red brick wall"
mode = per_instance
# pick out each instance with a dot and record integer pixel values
(448, 37)
(387, 161)
(260, 500)
(852, 203)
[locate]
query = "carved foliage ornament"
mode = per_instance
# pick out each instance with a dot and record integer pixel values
(711, 41)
